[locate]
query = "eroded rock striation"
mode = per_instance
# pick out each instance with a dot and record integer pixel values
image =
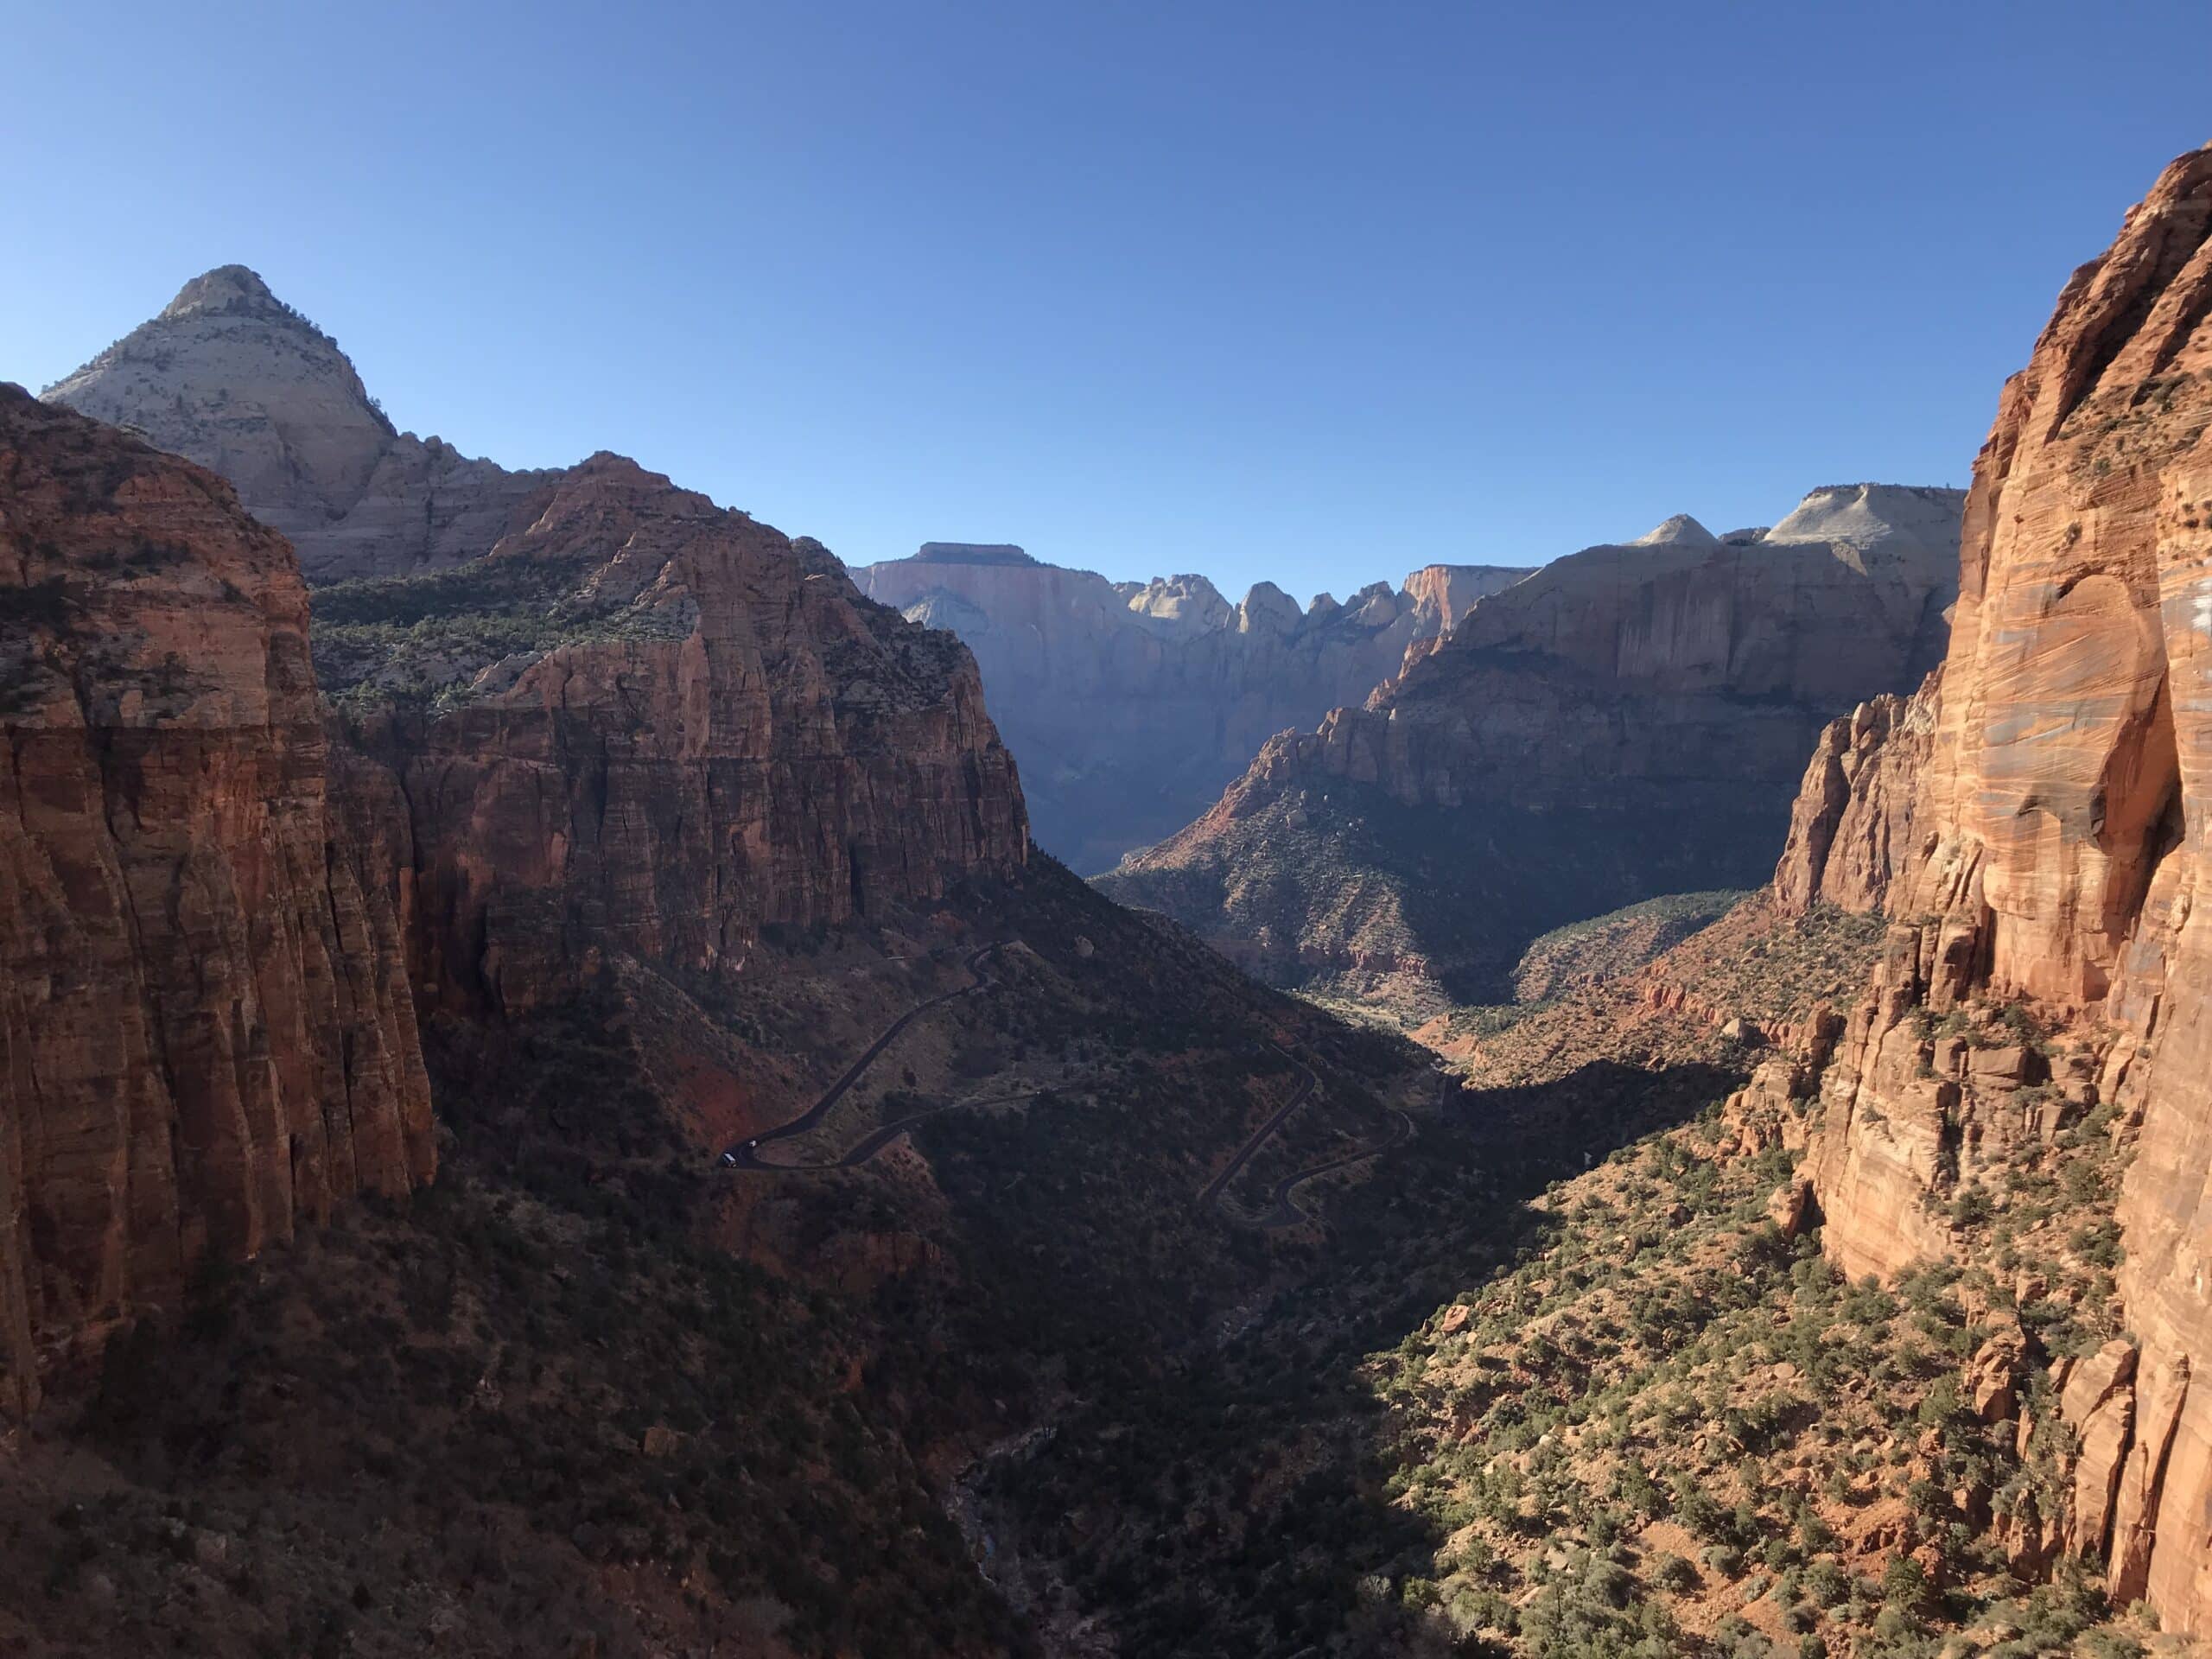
(1132, 704)
(1851, 828)
(1628, 721)
(206, 1035)
(2049, 960)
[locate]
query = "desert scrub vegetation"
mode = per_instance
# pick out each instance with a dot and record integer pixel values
(529, 1410)
(421, 639)
(1619, 942)
(1669, 1429)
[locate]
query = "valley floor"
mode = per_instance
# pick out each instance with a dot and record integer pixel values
(1222, 1328)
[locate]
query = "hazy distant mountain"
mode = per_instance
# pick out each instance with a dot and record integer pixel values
(1630, 720)
(1129, 705)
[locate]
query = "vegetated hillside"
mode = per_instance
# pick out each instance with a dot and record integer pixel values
(1627, 722)
(1577, 1378)
(557, 1402)
(1131, 705)
(1756, 973)
(1605, 947)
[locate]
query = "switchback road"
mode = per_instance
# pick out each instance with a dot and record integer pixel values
(745, 1154)
(1282, 1212)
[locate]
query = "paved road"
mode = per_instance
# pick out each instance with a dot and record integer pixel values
(1282, 1212)
(745, 1154)
(1210, 1193)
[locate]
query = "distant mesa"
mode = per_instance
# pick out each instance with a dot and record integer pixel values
(1131, 705)
(971, 553)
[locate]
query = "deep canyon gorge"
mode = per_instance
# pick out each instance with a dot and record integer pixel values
(577, 1076)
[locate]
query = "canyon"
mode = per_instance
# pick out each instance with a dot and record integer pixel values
(391, 935)
(1629, 721)
(1131, 705)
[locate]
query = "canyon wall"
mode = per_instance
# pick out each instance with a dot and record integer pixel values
(1628, 720)
(1131, 705)
(1851, 827)
(580, 710)
(592, 717)
(2047, 966)
(694, 730)
(206, 1035)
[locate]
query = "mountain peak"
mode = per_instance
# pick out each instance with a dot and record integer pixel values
(1680, 531)
(1868, 515)
(227, 290)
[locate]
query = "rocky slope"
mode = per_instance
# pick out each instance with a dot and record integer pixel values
(1131, 704)
(630, 729)
(2045, 984)
(1628, 721)
(642, 725)
(585, 711)
(230, 375)
(206, 1035)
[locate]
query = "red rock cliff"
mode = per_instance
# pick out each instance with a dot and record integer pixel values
(2059, 830)
(705, 731)
(585, 712)
(205, 1036)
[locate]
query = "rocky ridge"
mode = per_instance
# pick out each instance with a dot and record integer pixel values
(695, 731)
(1132, 704)
(230, 375)
(1628, 721)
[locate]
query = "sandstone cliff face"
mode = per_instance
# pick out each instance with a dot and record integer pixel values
(695, 728)
(230, 377)
(1132, 704)
(205, 1036)
(1627, 722)
(1851, 828)
(2059, 849)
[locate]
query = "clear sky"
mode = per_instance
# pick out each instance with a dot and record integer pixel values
(1314, 293)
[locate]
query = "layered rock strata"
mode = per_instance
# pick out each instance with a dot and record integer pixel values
(1131, 704)
(1628, 721)
(206, 1035)
(698, 730)
(2056, 857)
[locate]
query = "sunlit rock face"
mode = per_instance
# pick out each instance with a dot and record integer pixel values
(1628, 720)
(230, 375)
(2057, 833)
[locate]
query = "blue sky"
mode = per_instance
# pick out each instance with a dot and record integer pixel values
(1312, 293)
